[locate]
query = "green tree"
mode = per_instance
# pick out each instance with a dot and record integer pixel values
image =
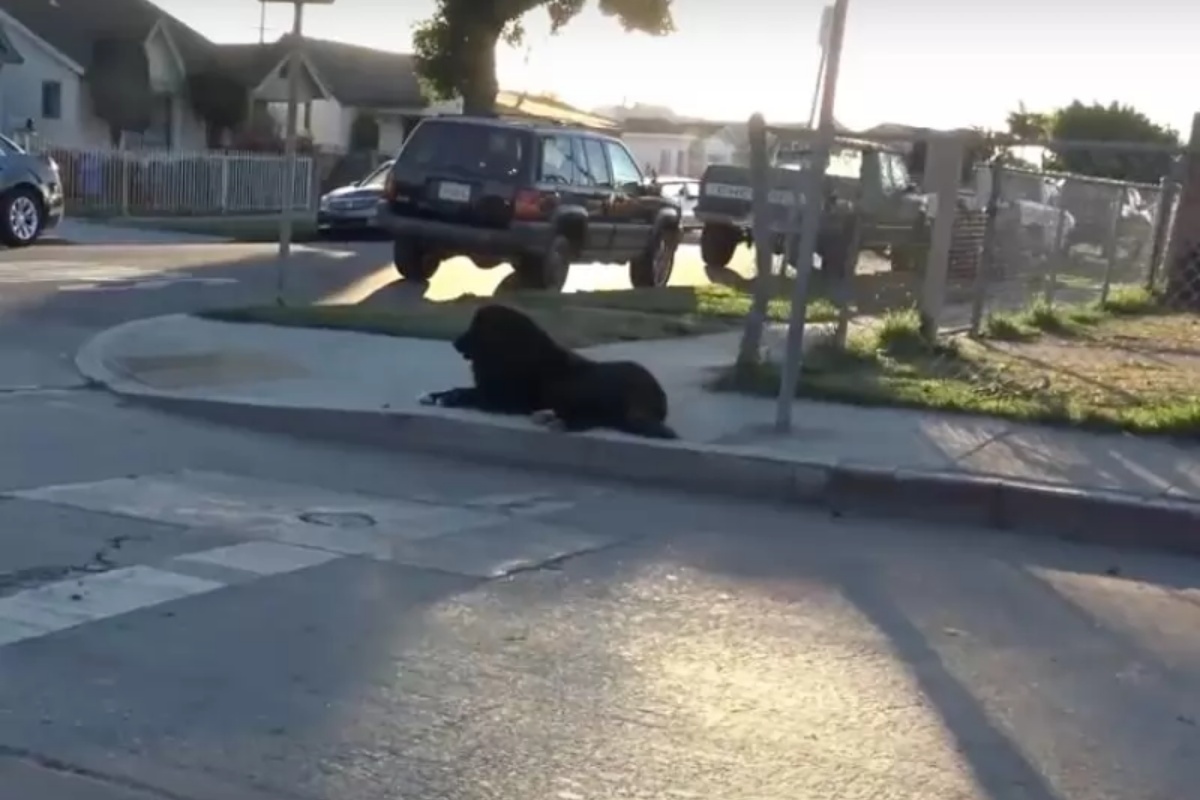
(119, 84)
(456, 47)
(1097, 122)
(220, 99)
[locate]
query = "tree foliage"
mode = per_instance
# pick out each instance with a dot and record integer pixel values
(119, 84)
(456, 47)
(364, 133)
(220, 99)
(1097, 122)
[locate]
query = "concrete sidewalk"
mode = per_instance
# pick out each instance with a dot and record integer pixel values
(80, 231)
(1115, 488)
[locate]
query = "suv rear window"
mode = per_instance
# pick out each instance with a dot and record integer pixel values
(476, 151)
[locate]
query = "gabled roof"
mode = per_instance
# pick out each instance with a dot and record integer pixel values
(8, 52)
(356, 76)
(74, 26)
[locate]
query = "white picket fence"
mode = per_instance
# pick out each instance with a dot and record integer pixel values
(172, 183)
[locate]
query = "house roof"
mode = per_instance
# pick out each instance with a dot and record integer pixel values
(74, 26)
(550, 108)
(8, 52)
(356, 76)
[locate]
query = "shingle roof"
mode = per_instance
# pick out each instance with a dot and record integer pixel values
(356, 76)
(74, 26)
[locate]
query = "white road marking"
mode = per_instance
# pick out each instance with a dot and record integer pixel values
(261, 558)
(65, 604)
(84, 276)
(268, 510)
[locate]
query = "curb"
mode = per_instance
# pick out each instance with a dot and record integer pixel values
(1110, 518)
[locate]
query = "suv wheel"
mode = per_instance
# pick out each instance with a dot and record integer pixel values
(717, 245)
(549, 270)
(20, 218)
(413, 262)
(653, 267)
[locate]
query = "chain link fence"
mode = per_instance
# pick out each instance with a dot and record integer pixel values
(1043, 293)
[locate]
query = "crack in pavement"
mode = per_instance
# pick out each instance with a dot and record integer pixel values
(100, 561)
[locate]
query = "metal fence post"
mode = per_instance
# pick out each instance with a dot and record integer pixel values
(987, 250)
(1111, 243)
(1060, 234)
(1162, 223)
(751, 344)
(224, 201)
(810, 207)
(944, 167)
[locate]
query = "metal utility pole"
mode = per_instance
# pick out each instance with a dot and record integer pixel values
(810, 209)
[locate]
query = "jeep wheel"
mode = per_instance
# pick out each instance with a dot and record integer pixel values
(20, 218)
(549, 270)
(717, 245)
(653, 267)
(412, 262)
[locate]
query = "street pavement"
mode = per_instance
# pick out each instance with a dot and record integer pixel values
(194, 612)
(189, 612)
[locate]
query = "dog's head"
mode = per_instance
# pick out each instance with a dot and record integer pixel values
(500, 333)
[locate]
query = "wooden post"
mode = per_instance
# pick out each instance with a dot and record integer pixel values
(1183, 251)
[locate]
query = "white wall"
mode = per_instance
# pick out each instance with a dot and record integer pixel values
(78, 126)
(330, 122)
(21, 91)
(667, 153)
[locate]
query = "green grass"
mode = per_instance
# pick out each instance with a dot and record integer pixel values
(1095, 367)
(251, 229)
(579, 319)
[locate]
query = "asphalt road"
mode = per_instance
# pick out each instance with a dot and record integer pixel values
(171, 628)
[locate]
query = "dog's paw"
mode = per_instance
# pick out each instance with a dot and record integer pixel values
(546, 418)
(429, 399)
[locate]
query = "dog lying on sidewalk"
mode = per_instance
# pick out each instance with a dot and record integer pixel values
(519, 369)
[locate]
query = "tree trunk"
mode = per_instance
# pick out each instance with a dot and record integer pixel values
(480, 86)
(1183, 251)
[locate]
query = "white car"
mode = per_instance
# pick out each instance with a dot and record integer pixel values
(686, 191)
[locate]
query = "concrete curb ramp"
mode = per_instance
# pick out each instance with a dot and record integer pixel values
(1108, 518)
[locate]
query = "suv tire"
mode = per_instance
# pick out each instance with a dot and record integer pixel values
(549, 270)
(717, 245)
(413, 262)
(21, 217)
(653, 267)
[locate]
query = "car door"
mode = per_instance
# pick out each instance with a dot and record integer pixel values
(900, 204)
(593, 185)
(633, 212)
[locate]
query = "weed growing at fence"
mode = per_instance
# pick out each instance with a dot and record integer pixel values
(1125, 364)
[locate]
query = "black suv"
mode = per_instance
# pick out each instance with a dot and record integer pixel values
(536, 196)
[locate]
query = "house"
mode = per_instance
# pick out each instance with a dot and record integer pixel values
(340, 82)
(677, 147)
(50, 46)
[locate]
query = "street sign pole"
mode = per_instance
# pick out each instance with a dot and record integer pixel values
(287, 217)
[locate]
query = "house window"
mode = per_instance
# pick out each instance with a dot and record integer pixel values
(51, 100)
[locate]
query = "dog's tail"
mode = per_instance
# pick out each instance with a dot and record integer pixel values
(649, 428)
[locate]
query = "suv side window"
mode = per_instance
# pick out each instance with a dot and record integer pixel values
(596, 163)
(558, 163)
(625, 169)
(896, 173)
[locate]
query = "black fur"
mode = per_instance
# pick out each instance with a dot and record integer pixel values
(519, 369)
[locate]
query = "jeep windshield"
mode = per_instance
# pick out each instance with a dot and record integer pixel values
(469, 150)
(844, 162)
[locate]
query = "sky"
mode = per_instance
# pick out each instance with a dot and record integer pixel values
(936, 63)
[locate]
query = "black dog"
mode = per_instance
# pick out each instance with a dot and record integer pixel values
(519, 369)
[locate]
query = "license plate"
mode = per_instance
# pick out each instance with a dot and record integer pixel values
(454, 192)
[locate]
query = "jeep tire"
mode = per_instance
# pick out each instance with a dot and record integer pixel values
(413, 262)
(718, 244)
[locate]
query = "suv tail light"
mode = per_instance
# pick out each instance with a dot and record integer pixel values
(530, 204)
(389, 188)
